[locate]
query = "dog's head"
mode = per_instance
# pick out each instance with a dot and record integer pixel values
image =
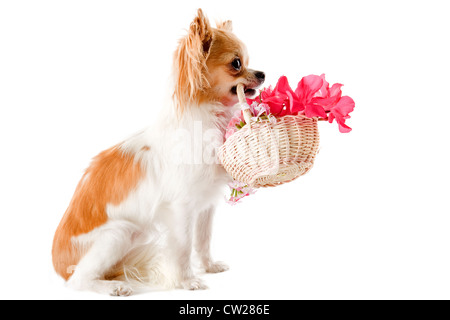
(209, 63)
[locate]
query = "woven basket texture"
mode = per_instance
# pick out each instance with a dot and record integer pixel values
(265, 154)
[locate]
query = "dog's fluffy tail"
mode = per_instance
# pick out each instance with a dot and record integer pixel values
(144, 268)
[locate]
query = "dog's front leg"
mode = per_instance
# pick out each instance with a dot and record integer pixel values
(203, 242)
(180, 244)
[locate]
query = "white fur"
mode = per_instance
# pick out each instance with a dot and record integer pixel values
(154, 230)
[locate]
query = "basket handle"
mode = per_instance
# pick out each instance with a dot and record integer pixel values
(243, 102)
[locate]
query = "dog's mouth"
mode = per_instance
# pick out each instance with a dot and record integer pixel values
(249, 92)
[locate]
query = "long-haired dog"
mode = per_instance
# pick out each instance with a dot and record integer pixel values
(144, 204)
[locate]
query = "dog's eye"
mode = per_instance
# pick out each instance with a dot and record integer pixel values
(236, 64)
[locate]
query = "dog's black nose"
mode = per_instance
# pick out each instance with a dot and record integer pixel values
(260, 75)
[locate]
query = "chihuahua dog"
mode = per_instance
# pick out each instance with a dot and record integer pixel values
(143, 205)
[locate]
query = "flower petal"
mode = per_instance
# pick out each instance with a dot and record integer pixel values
(314, 110)
(343, 128)
(344, 106)
(324, 90)
(341, 111)
(295, 106)
(335, 90)
(331, 117)
(283, 86)
(307, 87)
(275, 105)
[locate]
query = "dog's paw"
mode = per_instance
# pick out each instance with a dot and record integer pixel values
(194, 284)
(120, 289)
(217, 267)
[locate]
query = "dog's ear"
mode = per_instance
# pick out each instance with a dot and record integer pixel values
(190, 62)
(225, 25)
(201, 28)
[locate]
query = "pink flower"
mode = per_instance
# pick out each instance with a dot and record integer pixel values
(313, 98)
(234, 124)
(307, 88)
(236, 185)
(237, 121)
(282, 100)
(291, 103)
(239, 190)
(336, 106)
(258, 110)
(276, 100)
(340, 112)
(326, 97)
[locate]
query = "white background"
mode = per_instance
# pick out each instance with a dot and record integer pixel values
(370, 221)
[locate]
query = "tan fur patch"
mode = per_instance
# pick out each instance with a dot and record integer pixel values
(110, 178)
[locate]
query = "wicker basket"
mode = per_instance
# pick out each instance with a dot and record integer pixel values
(266, 154)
